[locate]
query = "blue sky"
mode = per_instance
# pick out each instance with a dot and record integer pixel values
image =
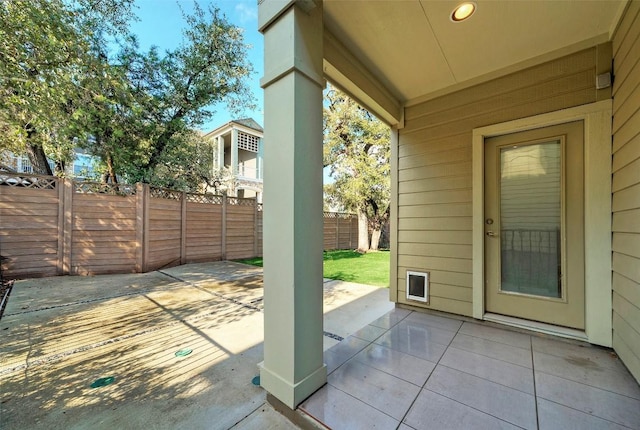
(161, 23)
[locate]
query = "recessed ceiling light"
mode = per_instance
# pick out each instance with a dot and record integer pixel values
(463, 11)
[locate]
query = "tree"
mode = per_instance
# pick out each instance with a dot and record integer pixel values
(187, 165)
(357, 147)
(44, 49)
(176, 91)
(61, 87)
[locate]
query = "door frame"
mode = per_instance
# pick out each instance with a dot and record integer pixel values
(597, 217)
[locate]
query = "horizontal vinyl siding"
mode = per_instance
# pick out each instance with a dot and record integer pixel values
(434, 168)
(626, 190)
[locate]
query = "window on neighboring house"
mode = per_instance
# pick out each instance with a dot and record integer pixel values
(25, 165)
(83, 166)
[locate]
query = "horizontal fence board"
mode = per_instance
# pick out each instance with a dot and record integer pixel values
(18, 224)
(30, 251)
(110, 226)
(118, 250)
(164, 235)
(80, 261)
(165, 244)
(156, 204)
(202, 226)
(25, 195)
(103, 199)
(87, 236)
(30, 211)
(204, 240)
(120, 213)
(27, 234)
(43, 243)
(28, 261)
(91, 270)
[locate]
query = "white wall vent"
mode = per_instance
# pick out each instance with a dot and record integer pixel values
(418, 286)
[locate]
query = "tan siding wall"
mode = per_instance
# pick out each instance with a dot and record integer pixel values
(434, 167)
(626, 190)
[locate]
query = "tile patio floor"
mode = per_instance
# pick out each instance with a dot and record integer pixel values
(409, 370)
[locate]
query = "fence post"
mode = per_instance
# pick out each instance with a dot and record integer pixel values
(255, 227)
(140, 207)
(60, 189)
(146, 202)
(350, 231)
(223, 247)
(67, 228)
(183, 228)
(337, 231)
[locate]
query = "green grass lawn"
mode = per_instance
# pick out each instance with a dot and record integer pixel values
(371, 268)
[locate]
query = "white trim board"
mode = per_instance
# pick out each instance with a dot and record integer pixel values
(597, 189)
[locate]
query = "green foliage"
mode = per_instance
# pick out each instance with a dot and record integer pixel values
(371, 268)
(61, 87)
(208, 68)
(187, 165)
(357, 147)
(46, 46)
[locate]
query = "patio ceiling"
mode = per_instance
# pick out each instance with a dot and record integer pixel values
(390, 54)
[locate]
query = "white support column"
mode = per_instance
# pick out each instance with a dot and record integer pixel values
(220, 152)
(234, 151)
(293, 365)
(259, 158)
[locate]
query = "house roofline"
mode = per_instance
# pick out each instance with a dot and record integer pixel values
(230, 125)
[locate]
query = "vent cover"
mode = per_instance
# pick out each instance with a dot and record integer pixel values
(418, 286)
(248, 142)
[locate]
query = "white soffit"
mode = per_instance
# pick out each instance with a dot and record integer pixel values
(413, 48)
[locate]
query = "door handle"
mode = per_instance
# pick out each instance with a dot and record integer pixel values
(491, 234)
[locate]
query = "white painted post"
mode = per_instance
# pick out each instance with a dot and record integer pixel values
(259, 163)
(234, 151)
(220, 152)
(293, 365)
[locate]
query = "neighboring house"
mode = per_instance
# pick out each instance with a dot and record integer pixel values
(239, 149)
(82, 167)
(515, 153)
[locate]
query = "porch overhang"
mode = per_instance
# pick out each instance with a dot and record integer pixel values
(346, 72)
(389, 56)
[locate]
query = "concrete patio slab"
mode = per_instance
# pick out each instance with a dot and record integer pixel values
(61, 335)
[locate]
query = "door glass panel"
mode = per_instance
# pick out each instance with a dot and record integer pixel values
(530, 216)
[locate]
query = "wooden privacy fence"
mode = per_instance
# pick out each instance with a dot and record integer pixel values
(51, 226)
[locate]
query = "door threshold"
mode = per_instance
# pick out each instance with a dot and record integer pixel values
(554, 330)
